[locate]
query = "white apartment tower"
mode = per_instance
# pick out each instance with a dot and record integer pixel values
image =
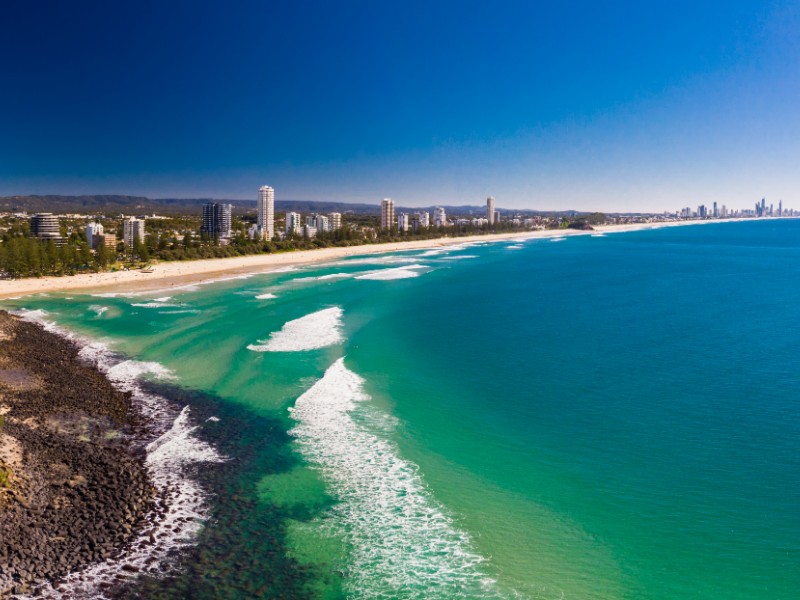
(133, 231)
(335, 219)
(403, 222)
(439, 217)
(387, 213)
(266, 212)
(94, 234)
(293, 223)
(490, 210)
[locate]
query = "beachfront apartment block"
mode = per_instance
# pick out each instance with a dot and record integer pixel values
(403, 222)
(335, 220)
(45, 226)
(387, 213)
(265, 221)
(439, 217)
(217, 220)
(94, 234)
(490, 210)
(133, 231)
(293, 223)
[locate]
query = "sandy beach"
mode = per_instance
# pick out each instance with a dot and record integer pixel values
(168, 274)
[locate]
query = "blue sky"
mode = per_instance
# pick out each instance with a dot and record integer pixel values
(624, 106)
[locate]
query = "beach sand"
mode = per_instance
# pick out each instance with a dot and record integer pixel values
(178, 273)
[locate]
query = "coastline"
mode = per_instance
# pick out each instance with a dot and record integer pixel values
(77, 490)
(176, 273)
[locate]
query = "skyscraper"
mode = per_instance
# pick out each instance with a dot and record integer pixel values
(266, 213)
(387, 213)
(217, 220)
(490, 210)
(403, 221)
(716, 211)
(335, 219)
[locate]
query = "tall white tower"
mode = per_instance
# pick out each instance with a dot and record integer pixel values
(490, 210)
(266, 212)
(387, 213)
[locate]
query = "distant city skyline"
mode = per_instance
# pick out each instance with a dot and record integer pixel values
(623, 107)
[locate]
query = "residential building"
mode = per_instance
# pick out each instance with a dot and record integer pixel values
(45, 226)
(490, 210)
(133, 231)
(387, 213)
(109, 240)
(94, 233)
(266, 213)
(422, 219)
(293, 223)
(335, 219)
(439, 217)
(217, 220)
(403, 221)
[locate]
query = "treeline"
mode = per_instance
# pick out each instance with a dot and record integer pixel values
(31, 257)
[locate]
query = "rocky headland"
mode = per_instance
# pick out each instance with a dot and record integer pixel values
(72, 491)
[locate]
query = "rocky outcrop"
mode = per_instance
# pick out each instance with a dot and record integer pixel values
(77, 494)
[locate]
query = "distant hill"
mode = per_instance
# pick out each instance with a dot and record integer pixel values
(115, 204)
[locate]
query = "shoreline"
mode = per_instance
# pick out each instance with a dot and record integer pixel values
(79, 490)
(177, 273)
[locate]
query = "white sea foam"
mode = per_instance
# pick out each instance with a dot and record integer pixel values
(98, 310)
(557, 239)
(266, 296)
(460, 257)
(154, 305)
(396, 273)
(376, 260)
(399, 537)
(316, 330)
(598, 235)
(324, 277)
(181, 311)
(172, 447)
(163, 299)
(284, 270)
(514, 247)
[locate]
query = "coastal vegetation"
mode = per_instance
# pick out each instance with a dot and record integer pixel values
(179, 238)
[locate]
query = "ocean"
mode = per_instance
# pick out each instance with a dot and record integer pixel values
(601, 416)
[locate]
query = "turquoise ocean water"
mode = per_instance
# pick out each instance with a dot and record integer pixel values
(594, 417)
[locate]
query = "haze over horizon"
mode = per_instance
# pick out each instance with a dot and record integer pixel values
(627, 107)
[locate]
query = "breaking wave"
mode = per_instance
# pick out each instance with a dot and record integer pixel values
(324, 277)
(402, 543)
(265, 296)
(316, 330)
(396, 273)
(98, 310)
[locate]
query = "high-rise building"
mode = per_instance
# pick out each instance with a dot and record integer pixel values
(715, 212)
(780, 208)
(217, 220)
(403, 222)
(109, 240)
(45, 227)
(496, 216)
(94, 232)
(490, 210)
(439, 217)
(387, 213)
(293, 223)
(133, 231)
(266, 213)
(335, 220)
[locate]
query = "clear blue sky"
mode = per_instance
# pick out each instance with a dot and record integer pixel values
(586, 105)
